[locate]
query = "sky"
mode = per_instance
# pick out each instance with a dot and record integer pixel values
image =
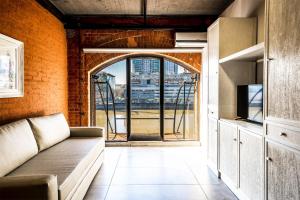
(118, 69)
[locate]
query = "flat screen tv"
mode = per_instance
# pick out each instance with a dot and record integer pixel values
(250, 102)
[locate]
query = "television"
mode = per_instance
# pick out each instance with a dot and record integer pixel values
(250, 102)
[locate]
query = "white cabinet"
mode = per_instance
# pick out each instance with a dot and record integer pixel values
(251, 164)
(213, 63)
(241, 158)
(213, 143)
(228, 152)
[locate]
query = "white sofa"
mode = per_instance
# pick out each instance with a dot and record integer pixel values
(42, 158)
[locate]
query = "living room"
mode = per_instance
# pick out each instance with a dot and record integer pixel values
(147, 99)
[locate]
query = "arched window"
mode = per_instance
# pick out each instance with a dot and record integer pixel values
(145, 98)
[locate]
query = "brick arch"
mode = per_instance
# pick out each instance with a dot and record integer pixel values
(97, 62)
(80, 112)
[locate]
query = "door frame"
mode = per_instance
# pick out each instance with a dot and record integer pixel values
(128, 88)
(161, 93)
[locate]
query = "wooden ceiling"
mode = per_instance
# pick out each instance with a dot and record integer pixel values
(135, 7)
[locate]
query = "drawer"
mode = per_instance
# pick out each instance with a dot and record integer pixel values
(284, 135)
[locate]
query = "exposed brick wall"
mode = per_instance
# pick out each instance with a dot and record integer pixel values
(44, 37)
(79, 64)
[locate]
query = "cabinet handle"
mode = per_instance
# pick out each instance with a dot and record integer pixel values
(270, 59)
(269, 159)
(283, 134)
(234, 139)
(241, 142)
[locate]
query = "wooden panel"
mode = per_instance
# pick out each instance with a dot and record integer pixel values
(99, 7)
(251, 165)
(284, 69)
(189, 7)
(213, 141)
(213, 64)
(283, 173)
(228, 151)
(284, 135)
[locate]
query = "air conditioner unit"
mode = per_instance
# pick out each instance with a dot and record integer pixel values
(191, 39)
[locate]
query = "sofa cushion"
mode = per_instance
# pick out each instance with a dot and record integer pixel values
(17, 145)
(70, 160)
(49, 130)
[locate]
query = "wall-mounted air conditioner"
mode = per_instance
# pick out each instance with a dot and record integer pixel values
(191, 39)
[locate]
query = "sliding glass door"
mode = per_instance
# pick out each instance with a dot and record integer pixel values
(146, 98)
(110, 101)
(180, 102)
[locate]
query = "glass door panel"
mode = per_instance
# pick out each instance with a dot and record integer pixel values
(110, 101)
(180, 103)
(145, 98)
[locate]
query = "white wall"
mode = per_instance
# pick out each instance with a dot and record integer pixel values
(248, 8)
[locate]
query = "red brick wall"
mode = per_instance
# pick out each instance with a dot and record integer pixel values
(79, 64)
(44, 37)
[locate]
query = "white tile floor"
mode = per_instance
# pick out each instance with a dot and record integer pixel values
(156, 173)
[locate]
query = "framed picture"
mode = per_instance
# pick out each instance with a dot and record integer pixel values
(11, 67)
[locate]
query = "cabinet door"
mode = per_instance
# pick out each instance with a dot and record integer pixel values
(283, 173)
(228, 152)
(284, 67)
(213, 64)
(251, 165)
(213, 142)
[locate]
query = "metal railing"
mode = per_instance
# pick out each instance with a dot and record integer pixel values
(186, 88)
(185, 101)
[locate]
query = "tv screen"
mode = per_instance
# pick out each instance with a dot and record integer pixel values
(250, 102)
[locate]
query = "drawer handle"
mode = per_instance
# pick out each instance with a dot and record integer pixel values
(269, 159)
(283, 134)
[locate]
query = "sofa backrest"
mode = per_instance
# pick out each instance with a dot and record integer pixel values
(17, 145)
(49, 130)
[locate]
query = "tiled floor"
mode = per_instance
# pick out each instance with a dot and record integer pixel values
(156, 173)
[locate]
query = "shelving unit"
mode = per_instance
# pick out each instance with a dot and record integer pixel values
(250, 54)
(235, 148)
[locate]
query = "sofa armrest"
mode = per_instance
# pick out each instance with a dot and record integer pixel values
(86, 131)
(29, 187)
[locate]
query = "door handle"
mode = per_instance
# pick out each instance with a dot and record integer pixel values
(283, 134)
(269, 159)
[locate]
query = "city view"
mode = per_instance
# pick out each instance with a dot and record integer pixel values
(179, 99)
(145, 84)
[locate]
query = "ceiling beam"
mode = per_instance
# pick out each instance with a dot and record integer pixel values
(178, 22)
(52, 9)
(145, 11)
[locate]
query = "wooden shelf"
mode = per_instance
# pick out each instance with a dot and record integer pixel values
(253, 54)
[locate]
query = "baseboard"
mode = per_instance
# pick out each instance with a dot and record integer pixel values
(153, 144)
